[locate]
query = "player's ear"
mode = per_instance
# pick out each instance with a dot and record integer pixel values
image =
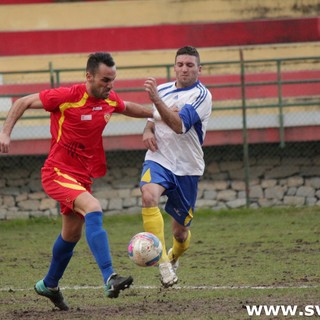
(89, 76)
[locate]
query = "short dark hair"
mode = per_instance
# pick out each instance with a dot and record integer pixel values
(189, 50)
(96, 58)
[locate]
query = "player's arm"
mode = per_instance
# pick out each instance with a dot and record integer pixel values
(169, 116)
(149, 138)
(15, 113)
(136, 110)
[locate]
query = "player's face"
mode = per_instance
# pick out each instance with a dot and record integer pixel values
(187, 70)
(100, 84)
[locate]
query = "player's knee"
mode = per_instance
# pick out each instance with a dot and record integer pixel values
(72, 234)
(149, 199)
(86, 203)
(181, 235)
(94, 205)
(91, 206)
(179, 238)
(74, 237)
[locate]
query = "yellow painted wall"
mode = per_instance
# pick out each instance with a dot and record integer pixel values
(78, 15)
(156, 57)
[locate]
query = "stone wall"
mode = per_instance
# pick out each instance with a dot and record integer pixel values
(278, 177)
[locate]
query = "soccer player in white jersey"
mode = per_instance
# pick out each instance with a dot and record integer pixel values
(174, 161)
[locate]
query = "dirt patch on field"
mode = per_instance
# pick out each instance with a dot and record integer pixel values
(162, 304)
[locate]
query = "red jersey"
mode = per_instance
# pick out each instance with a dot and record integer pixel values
(76, 125)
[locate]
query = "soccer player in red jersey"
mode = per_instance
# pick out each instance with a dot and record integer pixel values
(78, 116)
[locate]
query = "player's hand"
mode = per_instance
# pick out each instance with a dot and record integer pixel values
(149, 140)
(174, 109)
(4, 143)
(151, 87)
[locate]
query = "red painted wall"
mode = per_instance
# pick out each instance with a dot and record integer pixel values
(160, 37)
(25, 1)
(220, 93)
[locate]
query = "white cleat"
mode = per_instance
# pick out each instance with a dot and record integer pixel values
(168, 276)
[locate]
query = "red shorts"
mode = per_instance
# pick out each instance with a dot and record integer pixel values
(62, 187)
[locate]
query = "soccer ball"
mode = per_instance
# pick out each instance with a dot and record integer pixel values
(145, 249)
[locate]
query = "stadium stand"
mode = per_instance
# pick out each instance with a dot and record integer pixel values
(38, 34)
(51, 32)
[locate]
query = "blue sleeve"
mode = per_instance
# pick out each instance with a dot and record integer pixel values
(189, 116)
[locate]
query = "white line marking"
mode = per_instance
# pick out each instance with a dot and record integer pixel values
(209, 288)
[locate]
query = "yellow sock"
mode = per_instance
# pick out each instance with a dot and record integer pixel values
(179, 248)
(153, 222)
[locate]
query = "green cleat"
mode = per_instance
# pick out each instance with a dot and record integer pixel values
(55, 297)
(115, 284)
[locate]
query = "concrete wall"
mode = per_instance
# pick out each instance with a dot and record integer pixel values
(278, 177)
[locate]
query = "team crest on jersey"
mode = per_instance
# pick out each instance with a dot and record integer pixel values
(107, 117)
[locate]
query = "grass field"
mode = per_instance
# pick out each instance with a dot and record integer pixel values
(237, 258)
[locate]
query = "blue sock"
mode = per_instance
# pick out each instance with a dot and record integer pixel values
(62, 252)
(97, 239)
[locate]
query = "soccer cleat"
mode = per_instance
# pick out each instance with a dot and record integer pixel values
(167, 275)
(55, 297)
(115, 284)
(174, 262)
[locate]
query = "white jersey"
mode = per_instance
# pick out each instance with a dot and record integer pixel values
(182, 153)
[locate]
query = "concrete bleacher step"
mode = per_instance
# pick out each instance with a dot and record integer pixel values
(153, 57)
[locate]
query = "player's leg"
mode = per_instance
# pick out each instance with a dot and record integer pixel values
(154, 181)
(64, 189)
(97, 239)
(180, 205)
(151, 215)
(60, 187)
(62, 252)
(181, 243)
(153, 222)
(153, 184)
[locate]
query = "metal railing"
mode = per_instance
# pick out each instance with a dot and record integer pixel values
(214, 76)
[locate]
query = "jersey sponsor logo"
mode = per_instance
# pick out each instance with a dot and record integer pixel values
(107, 117)
(97, 108)
(86, 117)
